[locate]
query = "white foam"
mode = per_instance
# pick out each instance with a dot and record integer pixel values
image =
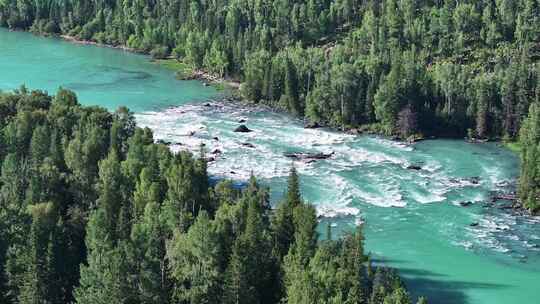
(331, 211)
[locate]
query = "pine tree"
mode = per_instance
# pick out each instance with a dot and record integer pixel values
(37, 279)
(195, 261)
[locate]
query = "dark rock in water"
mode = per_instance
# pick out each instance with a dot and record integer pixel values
(475, 180)
(242, 121)
(205, 84)
(309, 156)
(248, 145)
(504, 197)
(163, 142)
(203, 145)
(191, 133)
(414, 167)
(475, 224)
(217, 151)
(232, 172)
(242, 129)
(312, 125)
(211, 159)
(207, 104)
(215, 138)
(465, 204)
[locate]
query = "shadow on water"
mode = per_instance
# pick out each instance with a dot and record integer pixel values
(435, 286)
(438, 290)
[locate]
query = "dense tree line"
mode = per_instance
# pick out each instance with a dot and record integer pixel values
(439, 67)
(529, 184)
(92, 211)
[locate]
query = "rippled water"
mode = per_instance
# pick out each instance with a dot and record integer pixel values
(413, 217)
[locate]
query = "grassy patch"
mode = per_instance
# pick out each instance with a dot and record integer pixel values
(182, 69)
(514, 146)
(220, 86)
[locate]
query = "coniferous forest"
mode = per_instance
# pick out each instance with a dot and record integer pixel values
(440, 67)
(405, 68)
(92, 211)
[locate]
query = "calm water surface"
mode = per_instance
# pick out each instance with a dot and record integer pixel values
(413, 218)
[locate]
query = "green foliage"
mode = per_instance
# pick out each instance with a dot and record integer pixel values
(340, 63)
(92, 211)
(529, 184)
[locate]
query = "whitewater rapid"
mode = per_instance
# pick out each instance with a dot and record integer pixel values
(362, 171)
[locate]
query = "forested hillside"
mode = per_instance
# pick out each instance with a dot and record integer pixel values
(92, 211)
(437, 67)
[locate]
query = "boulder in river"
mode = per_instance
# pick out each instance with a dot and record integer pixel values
(414, 167)
(242, 121)
(475, 224)
(217, 151)
(248, 145)
(475, 180)
(242, 129)
(215, 138)
(312, 125)
(465, 204)
(309, 156)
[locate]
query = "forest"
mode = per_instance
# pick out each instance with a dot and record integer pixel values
(409, 67)
(93, 211)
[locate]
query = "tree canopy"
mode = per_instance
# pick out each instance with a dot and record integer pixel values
(93, 211)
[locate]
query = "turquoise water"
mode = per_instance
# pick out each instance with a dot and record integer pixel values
(99, 75)
(413, 218)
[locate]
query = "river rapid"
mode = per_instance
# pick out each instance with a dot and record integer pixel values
(413, 218)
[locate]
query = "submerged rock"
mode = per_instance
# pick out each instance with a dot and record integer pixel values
(242, 121)
(414, 167)
(242, 129)
(215, 138)
(309, 156)
(163, 142)
(312, 125)
(248, 145)
(465, 204)
(475, 180)
(475, 224)
(217, 151)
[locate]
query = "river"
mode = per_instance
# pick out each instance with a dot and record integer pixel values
(413, 219)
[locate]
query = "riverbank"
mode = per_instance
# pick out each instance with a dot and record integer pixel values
(186, 72)
(75, 40)
(183, 71)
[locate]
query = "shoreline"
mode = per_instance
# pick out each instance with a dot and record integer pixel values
(233, 84)
(75, 40)
(194, 74)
